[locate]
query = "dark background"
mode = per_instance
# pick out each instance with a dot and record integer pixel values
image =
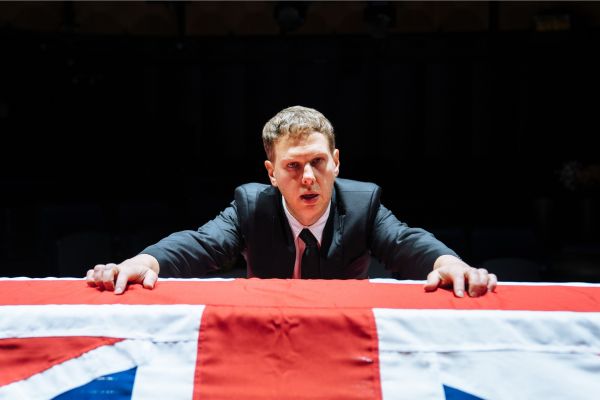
(123, 122)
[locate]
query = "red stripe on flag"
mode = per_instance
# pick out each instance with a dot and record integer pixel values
(23, 357)
(283, 353)
(303, 293)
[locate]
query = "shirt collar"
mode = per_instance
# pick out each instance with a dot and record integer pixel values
(316, 229)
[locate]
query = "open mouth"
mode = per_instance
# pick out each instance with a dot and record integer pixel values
(309, 196)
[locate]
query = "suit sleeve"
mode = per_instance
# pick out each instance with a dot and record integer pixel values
(409, 252)
(194, 253)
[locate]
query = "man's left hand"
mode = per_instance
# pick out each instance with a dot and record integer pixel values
(452, 271)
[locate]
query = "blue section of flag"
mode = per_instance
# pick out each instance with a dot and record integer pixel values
(455, 394)
(113, 387)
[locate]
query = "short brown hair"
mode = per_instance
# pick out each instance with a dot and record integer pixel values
(295, 121)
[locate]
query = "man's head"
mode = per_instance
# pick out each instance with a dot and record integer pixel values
(295, 121)
(302, 160)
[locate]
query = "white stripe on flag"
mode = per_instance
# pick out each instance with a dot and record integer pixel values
(486, 330)
(161, 340)
(160, 323)
(522, 375)
(488, 353)
(169, 374)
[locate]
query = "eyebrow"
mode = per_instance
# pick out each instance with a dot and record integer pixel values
(311, 156)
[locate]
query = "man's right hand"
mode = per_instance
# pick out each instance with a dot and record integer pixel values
(142, 269)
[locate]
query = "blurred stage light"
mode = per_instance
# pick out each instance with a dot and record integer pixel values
(290, 15)
(379, 16)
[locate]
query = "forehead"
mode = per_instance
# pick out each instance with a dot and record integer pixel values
(300, 145)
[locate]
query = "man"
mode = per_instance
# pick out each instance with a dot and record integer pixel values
(307, 224)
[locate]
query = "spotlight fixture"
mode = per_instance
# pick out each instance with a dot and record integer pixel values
(379, 16)
(290, 15)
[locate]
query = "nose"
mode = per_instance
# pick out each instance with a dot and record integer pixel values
(308, 177)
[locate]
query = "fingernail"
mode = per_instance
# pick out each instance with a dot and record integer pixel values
(118, 290)
(460, 293)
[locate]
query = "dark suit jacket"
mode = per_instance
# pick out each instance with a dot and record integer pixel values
(256, 226)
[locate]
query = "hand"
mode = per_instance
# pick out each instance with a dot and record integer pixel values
(142, 269)
(449, 270)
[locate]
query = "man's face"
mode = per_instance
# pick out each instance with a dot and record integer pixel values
(304, 171)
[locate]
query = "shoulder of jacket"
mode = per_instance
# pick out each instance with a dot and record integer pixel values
(247, 195)
(355, 197)
(349, 185)
(252, 188)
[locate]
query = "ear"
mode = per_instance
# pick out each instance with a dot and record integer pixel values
(271, 172)
(336, 161)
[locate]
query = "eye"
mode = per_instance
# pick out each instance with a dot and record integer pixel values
(292, 165)
(316, 161)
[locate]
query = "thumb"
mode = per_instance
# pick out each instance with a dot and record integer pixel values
(150, 279)
(433, 281)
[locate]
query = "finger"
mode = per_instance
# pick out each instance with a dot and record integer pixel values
(488, 282)
(477, 282)
(97, 276)
(89, 277)
(121, 282)
(458, 284)
(433, 281)
(484, 275)
(150, 279)
(108, 276)
(492, 282)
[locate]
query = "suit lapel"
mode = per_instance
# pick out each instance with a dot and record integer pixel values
(276, 251)
(331, 245)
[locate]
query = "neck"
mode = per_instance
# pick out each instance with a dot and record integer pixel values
(303, 221)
